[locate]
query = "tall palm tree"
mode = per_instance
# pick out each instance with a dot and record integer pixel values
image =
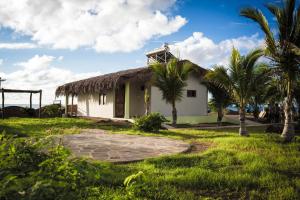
(238, 80)
(297, 97)
(220, 98)
(171, 79)
(280, 48)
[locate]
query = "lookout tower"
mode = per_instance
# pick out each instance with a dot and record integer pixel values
(161, 55)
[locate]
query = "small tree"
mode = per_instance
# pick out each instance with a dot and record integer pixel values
(147, 101)
(220, 98)
(238, 80)
(170, 79)
(261, 88)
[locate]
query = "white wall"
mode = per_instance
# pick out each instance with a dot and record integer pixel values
(88, 105)
(188, 106)
(137, 105)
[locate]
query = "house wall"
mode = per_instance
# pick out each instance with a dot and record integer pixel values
(136, 99)
(188, 106)
(88, 105)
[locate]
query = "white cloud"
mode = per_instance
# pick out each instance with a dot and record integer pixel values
(1, 61)
(105, 25)
(17, 46)
(39, 73)
(205, 52)
(60, 58)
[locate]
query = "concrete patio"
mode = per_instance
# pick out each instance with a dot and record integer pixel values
(118, 148)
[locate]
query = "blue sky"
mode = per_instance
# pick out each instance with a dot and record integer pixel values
(204, 31)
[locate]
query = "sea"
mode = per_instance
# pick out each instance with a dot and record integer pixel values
(35, 106)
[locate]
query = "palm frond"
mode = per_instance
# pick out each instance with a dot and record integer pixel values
(257, 16)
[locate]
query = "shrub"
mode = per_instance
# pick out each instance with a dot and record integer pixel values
(149, 123)
(29, 111)
(53, 110)
(31, 171)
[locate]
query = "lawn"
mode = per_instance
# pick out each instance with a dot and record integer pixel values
(211, 118)
(233, 167)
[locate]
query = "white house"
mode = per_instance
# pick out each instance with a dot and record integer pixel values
(121, 94)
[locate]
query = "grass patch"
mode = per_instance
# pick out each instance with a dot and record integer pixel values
(233, 167)
(211, 118)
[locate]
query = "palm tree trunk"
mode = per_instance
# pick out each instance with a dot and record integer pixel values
(255, 111)
(174, 114)
(147, 101)
(288, 131)
(243, 131)
(220, 116)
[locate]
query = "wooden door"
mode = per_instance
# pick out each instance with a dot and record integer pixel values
(120, 102)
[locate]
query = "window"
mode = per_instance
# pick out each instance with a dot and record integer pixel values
(191, 93)
(99, 100)
(103, 99)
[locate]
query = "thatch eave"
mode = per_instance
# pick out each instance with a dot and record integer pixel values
(107, 82)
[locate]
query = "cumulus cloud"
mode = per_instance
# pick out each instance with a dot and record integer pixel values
(205, 52)
(39, 73)
(17, 46)
(105, 25)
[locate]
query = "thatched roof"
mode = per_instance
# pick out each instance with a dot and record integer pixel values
(106, 82)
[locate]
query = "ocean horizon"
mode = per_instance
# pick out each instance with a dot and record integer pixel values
(35, 106)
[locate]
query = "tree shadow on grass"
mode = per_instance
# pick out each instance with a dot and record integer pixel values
(212, 160)
(187, 136)
(12, 131)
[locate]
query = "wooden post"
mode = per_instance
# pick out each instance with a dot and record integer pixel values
(30, 100)
(40, 106)
(67, 102)
(2, 103)
(72, 105)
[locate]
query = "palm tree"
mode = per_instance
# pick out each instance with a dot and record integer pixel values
(281, 50)
(297, 97)
(238, 80)
(261, 87)
(220, 98)
(170, 79)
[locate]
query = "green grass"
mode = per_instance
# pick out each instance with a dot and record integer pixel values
(234, 167)
(210, 118)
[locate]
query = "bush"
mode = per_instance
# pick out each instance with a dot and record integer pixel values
(53, 110)
(31, 171)
(149, 123)
(30, 112)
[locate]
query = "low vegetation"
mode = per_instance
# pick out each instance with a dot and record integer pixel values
(149, 123)
(233, 167)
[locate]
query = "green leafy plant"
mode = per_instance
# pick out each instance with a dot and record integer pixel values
(171, 79)
(149, 123)
(135, 184)
(53, 110)
(30, 112)
(41, 169)
(283, 49)
(238, 80)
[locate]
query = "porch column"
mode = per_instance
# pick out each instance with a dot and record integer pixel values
(67, 102)
(127, 101)
(30, 101)
(40, 104)
(3, 103)
(72, 105)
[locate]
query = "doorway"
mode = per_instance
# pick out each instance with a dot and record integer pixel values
(120, 102)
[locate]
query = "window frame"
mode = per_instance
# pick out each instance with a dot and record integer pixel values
(99, 99)
(104, 97)
(191, 93)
